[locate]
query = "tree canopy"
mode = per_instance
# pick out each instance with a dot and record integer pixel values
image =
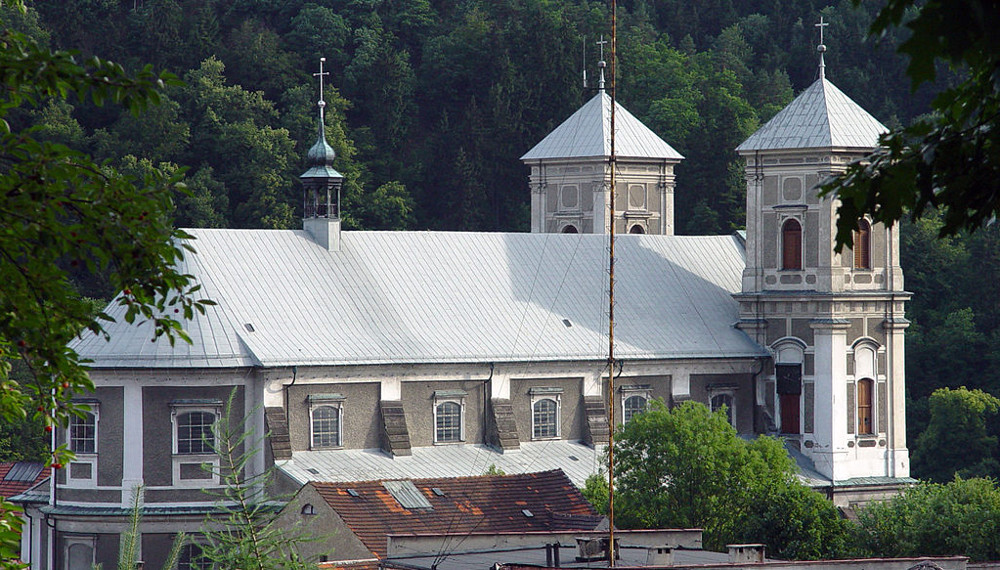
(63, 215)
(686, 467)
(948, 160)
(957, 518)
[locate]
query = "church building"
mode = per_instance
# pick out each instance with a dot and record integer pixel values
(367, 355)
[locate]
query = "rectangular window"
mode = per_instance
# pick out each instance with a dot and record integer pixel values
(545, 412)
(449, 416)
(81, 439)
(195, 461)
(326, 414)
(866, 419)
(635, 400)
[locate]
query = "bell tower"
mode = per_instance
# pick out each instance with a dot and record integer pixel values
(570, 174)
(833, 321)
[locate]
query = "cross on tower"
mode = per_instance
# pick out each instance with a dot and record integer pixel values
(601, 44)
(821, 25)
(821, 48)
(321, 73)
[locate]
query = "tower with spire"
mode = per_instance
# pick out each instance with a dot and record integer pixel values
(833, 321)
(570, 173)
(321, 184)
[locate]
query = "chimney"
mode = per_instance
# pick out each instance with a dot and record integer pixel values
(745, 553)
(590, 549)
(659, 556)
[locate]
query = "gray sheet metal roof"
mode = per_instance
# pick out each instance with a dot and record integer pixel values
(435, 297)
(344, 465)
(587, 133)
(820, 117)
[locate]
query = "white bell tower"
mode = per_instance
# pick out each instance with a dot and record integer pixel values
(833, 321)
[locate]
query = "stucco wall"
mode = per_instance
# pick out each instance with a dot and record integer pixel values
(361, 424)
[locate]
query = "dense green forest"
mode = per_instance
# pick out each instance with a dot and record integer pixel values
(431, 102)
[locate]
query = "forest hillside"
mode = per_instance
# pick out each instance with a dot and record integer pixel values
(431, 102)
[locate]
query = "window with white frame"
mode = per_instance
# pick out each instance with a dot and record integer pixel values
(545, 412)
(83, 434)
(195, 461)
(724, 400)
(195, 433)
(635, 400)
(81, 439)
(449, 416)
(326, 415)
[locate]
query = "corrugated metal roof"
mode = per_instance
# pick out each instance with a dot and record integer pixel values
(434, 297)
(576, 460)
(587, 133)
(822, 116)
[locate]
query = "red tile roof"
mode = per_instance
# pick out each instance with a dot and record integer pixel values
(17, 477)
(483, 504)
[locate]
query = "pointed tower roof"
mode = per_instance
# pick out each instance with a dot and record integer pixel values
(820, 117)
(587, 133)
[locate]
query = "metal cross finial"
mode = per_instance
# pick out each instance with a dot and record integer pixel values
(821, 48)
(821, 25)
(601, 43)
(321, 73)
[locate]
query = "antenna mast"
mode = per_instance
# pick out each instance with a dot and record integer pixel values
(613, 159)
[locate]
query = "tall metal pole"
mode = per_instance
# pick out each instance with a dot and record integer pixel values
(611, 298)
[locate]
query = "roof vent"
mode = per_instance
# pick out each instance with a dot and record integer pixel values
(573, 458)
(353, 493)
(567, 323)
(249, 327)
(437, 491)
(527, 513)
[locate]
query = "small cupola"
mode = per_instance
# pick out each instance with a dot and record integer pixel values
(321, 184)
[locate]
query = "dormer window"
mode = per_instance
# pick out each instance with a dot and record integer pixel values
(326, 416)
(791, 245)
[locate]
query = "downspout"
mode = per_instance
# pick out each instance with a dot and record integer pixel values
(487, 402)
(295, 374)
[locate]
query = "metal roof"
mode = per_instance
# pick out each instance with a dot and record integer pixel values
(576, 460)
(436, 297)
(820, 117)
(587, 133)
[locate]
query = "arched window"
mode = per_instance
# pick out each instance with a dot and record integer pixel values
(83, 434)
(308, 509)
(863, 246)
(791, 245)
(194, 432)
(545, 419)
(80, 553)
(448, 422)
(325, 426)
(569, 229)
(866, 417)
(637, 229)
(633, 405)
(723, 401)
